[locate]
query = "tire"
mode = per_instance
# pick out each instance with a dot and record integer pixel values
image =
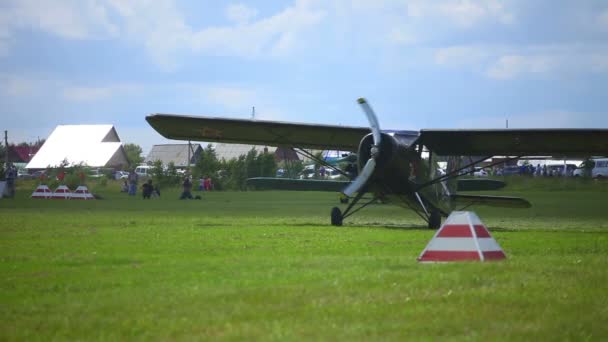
(336, 217)
(435, 220)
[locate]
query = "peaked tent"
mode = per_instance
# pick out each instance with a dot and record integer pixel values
(90, 145)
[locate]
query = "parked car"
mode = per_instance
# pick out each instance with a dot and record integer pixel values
(143, 170)
(39, 174)
(508, 170)
(333, 174)
(479, 172)
(24, 174)
(121, 175)
(95, 173)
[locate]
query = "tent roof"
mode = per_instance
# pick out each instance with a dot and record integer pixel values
(91, 145)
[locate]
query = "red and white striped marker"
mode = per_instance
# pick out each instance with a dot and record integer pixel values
(42, 191)
(82, 192)
(62, 192)
(462, 237)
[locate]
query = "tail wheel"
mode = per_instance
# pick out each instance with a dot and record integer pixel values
(435, 219)
(336, 216)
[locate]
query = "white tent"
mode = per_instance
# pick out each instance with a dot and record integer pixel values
(90, 145)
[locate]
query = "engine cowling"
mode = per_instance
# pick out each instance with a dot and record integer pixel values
(393, 164)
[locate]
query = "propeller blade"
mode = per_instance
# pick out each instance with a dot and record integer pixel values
(373, 120)
(361, 179)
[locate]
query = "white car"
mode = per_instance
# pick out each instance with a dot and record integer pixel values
(121, 175)
(480, 173)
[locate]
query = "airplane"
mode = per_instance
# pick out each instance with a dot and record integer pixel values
(395, 166)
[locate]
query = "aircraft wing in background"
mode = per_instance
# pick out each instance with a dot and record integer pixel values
(258, 132)
(516, 142)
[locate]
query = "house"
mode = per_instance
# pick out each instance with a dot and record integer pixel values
(175, 153)
(22, 153)
(232, 151)
(89, 145)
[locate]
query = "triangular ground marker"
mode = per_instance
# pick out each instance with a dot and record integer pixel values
(82, 192)
(62, 192)
(42, 191)
(463, 237)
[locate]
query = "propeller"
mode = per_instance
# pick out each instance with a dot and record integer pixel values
(370, 165)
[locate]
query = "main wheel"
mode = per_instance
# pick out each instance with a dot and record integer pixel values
(336, 216)
(435, 219)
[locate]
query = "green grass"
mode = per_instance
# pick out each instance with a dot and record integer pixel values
(268, 266)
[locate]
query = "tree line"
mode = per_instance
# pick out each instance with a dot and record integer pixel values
(225, 174)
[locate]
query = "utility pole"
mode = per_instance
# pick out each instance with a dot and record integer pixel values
(507, 123)
(5, 148)
(188, 162)
(253, 113)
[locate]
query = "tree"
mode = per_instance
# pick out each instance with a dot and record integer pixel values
(207, 164)
(134, 152)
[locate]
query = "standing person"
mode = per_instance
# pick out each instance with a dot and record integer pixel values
(201, 184)
(187, 184)
(11, 175)
(132, 183)
(147, 189)
(207, 183)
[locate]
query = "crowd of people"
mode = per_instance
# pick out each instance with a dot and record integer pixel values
(149, 190)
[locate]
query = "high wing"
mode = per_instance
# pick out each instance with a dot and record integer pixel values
(522, 142)
(257, 132)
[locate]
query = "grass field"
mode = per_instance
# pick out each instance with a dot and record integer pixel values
(268, 266)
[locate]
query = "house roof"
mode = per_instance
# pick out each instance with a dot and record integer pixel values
(176, 153)
(231, 151)
(22, 154)
(91, 145)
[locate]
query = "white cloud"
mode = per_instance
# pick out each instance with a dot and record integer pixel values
(272, 35)
(70, 19)
(161, 28)
(91, 94)
(232, 98)
(240, 14)
(463, 13)
(511, 66)
(543, 119)
(458, 56)
(511, 62)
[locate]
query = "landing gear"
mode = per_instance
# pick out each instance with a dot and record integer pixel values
(336, 217)
(435, 219)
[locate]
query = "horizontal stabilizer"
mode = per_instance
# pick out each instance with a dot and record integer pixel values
(479, 184)
(268, 183)
(492, 201)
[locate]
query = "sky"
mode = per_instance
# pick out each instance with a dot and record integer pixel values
(420, 64)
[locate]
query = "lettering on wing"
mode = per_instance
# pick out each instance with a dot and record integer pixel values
(209, 132)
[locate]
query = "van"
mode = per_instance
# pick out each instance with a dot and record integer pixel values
(143, 170)
(600, 169)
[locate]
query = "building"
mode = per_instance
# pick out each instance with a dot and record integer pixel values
(22, 154)
(233, 151)
(175, 153)
(88, 145)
